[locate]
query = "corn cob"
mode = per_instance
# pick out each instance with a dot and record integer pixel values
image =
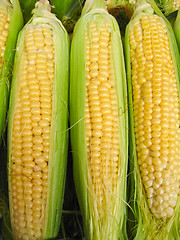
(37, 131)
(153, 83)
(11, 22)
(98, 118)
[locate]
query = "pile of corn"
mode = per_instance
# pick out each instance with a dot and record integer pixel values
(121, 98)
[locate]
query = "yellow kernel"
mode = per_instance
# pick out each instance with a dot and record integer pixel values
(27, 144)
(39, 160)
(37, 140)
(36, 154)
(43, 123)
(37, 130)
(26, 151)
(36, 117)
(27, 158)
(27, 171)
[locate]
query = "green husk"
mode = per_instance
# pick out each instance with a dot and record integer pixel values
(127, 5)
(72, 14)
(59, 123)
(60, 7)
(142, 224)
(27, 6)
(122, 11)
(167, 6)
(6, 225)
(177, 29)
(3, 179)
(16, 23)
(113, 225)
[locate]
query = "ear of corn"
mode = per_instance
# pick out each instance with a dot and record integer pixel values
(11, 22)
(98, 119)
(153, 84)
(37, 131)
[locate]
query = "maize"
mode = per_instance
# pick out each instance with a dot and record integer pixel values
(9, 28)
(37, 133)
(155, 121)
(98, 117)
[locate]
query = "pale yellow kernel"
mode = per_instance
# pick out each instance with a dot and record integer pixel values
(48, 40)
(94, 56)
(40, 60)
(94, 37)
(43, 123)
(27, 158)
(36, 117)
(34, 97)
(46, 142)
(46, 130)
(26, 151)
(33, 87)
(36, 153)
(46, 153)
(29, 164)
(37, 130)
(27, 144)
(46, 117)
(159, 168)
(46, 105)
(38, 147)
(46, 136)
(36, 110)
(34, 124)
(46, 110)
(46, 93)
(27, 171)
(37, 175)
(44, 167)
